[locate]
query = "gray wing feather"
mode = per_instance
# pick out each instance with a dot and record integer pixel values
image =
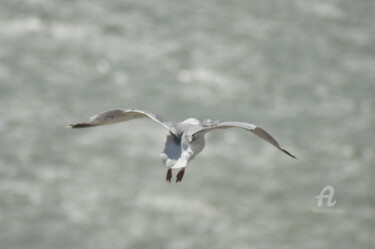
(249, 127)
(116, 116)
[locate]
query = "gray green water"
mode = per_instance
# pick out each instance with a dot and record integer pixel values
(304, 70)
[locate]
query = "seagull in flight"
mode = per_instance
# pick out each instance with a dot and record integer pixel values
(185, 139)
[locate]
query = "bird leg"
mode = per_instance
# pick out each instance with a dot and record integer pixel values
(169, 175)
(180, 175)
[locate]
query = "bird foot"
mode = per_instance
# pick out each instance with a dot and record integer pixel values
(180, 175)
(169, 175)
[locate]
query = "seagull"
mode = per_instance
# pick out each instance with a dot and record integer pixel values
(185, 139)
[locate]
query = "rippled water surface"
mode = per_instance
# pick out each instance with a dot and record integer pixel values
(303, 70)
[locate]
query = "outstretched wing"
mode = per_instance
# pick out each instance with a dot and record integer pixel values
(249, 127)
(116, 116)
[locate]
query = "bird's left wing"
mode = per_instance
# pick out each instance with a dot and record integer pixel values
(116, 116)
(249, 127)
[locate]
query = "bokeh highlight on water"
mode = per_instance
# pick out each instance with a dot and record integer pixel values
(304, 70)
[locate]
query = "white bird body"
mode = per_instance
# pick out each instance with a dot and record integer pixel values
(186, 139)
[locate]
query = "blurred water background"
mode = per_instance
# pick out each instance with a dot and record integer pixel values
(303, 70)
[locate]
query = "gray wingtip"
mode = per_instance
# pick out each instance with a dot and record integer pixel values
(80, 125)
(288, 153)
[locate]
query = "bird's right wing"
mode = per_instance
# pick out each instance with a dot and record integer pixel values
(116, 116)
(249, 127)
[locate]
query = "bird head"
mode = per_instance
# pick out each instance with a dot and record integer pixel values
(191, 121)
